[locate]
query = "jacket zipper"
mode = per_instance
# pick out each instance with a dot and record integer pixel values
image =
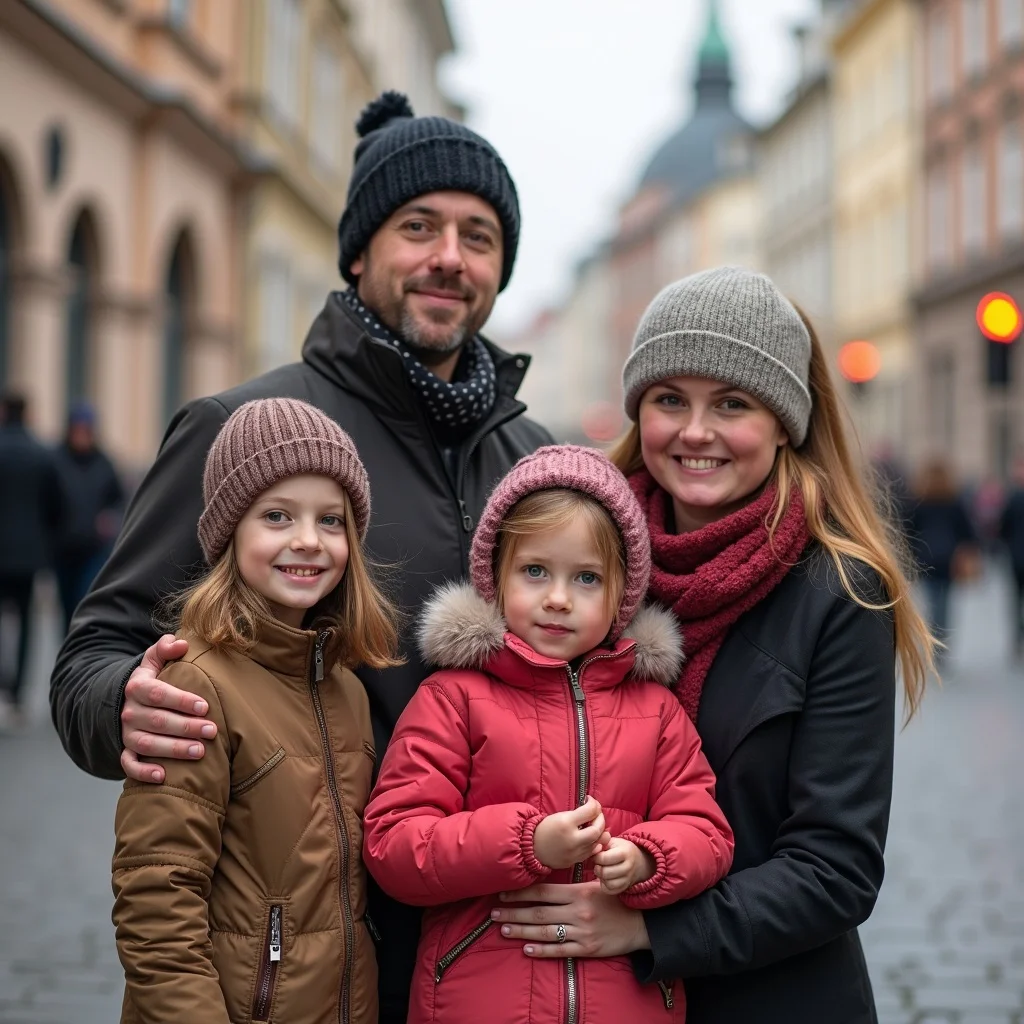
(582, 778)
(268, 967)
(666, 994)
(459, 948)
(582, 785)
(343, 844)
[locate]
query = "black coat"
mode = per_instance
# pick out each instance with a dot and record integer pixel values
(422, 521)
(91, 486)
(938, 526)
(1011, 529)
(31, 507)
(796, 719)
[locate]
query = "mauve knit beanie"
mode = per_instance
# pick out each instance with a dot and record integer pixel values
(577, 469)
(265, 441)
(400, 156)
(728, 324)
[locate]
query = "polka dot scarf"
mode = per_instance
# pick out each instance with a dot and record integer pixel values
(454, 407)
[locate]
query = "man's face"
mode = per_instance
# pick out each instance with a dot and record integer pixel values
(432, 269)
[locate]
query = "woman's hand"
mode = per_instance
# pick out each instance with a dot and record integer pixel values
(595, 923)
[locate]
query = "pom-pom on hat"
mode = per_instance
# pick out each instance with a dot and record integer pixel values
(577, 469)
(265, 441)
(400, 156)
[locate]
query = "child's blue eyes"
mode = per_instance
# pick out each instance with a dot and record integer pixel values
(536, 572)
(330, 521)
(589, 578)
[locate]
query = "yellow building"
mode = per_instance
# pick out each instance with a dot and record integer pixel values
(875, 152)
(310, 67)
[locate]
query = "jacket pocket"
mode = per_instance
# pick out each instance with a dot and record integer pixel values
(270, 964)
(264, 769)
(459, 948)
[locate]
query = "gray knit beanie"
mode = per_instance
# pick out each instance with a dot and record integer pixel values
(401, 156)
(265, 441)
(727, 324)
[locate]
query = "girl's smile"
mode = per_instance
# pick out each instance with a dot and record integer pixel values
(291, 544)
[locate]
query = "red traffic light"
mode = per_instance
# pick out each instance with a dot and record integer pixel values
(859, 361)
(999, 317)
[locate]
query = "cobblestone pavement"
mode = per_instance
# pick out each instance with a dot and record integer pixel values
(945, 944)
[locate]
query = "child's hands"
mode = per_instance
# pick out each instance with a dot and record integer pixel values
(622, 864)
(568, 837)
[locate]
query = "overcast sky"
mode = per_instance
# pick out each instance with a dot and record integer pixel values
(576, 95)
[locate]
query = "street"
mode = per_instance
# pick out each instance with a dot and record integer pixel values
(945, 943)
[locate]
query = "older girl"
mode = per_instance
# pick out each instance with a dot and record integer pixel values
(795, 611)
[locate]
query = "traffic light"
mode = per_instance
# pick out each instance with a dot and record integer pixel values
(859, 362)
(999, 319)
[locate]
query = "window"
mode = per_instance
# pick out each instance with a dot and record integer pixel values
(1011, 22)
(327, 115)
(939, 78)
(1011, 181)
(975, 33)
(973, 200)
(941, 399)
(283, 45)
(276, 312)
(938, 216)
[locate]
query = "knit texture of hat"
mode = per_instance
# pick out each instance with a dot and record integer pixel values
(731, 325)
(578, 469)
(269, 440)
(400, 156)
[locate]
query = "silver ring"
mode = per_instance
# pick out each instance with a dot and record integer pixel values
(560, 932)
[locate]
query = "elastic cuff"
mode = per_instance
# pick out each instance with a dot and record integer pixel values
(637, 895)
(119, 705)
(530, 861)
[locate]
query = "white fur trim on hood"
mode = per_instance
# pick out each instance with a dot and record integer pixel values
(459, 629)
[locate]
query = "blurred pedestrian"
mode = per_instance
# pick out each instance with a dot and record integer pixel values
(986, 512)
(94, 500)
(1011, 531)
(942, 541)
(891, 485)
(29, 516)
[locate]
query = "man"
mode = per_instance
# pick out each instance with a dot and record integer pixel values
(94, 501)
(427, 240)
(29, 515)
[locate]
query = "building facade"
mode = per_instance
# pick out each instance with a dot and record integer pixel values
(695, 206)
(972, 209)
(875, 159)
(121, 191)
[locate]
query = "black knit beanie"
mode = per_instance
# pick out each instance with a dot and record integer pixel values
(401, 156)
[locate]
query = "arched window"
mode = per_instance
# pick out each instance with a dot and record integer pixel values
(179, 305)
(78, 310)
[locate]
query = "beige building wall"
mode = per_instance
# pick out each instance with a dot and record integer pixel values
(875, 152)
(141, 175)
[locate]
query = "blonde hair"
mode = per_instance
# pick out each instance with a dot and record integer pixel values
(225, 612)
(551, 510)
(846, 515)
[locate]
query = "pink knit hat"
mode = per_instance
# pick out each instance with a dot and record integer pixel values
(574, 468)
(265, 441)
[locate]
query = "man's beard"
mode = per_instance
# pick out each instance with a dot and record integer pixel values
(430, 351)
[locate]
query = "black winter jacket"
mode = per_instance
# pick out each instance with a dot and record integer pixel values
(91, 486)
(31, 506)
(421, 523)
(796, 719)
(1011, 529)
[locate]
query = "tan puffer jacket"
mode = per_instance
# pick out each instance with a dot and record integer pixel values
(239, 888)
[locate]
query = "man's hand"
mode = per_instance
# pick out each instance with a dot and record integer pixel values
(154, 711)
(568, 837)
(622, 864)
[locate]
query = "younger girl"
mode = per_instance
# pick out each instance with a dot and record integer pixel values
(542, 750)
(239, 888)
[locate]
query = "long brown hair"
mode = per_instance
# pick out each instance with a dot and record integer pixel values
(847, 515)
(225, 612)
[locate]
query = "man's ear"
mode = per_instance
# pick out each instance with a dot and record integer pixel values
(358, 265)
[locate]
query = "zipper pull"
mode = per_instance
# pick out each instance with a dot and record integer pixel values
(372, 929)
(275, 934)
(577, 690)
(467, 519)
(318, 657)
(666, 995)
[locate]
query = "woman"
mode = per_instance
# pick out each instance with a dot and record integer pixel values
(794, 611)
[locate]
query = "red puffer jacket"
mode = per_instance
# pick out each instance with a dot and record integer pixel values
(500, 738)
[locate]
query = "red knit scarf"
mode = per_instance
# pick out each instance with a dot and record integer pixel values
(711, 576)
